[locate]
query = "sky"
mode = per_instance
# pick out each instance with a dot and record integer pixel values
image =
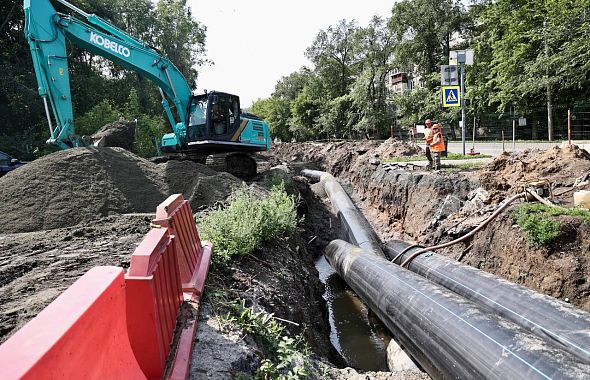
(253, 43)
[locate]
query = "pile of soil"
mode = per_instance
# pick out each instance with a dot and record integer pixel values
(560, 165)
(119, 134)
(394, 148)
(36, 267)
(202, 186)
(81, 184)
(338, 157)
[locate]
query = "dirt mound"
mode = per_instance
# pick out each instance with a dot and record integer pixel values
(118, 134)
(76, 185)
(561, 166)
(201, 186)
(394, 148)
(339, 157)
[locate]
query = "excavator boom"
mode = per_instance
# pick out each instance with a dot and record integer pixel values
(46, 31)
(213, 123)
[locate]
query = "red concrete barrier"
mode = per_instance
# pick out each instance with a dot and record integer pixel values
(194, 256)
(80, 335)
(154, 295)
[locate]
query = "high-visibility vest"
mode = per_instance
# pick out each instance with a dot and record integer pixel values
(440, 145)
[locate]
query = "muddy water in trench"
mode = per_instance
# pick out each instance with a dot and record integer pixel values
(358, 335)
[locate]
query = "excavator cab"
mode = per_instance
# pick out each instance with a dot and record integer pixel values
(213, 116)
(216, 124)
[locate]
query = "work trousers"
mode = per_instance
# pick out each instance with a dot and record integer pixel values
(429, 157)
(436, 160)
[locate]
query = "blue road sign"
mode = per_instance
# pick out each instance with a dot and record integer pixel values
(451, 96)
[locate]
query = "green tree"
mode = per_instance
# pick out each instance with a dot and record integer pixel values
(334, 54)
(102, 113)
(179, 36)
(305, 109)
(369, 93)
(424, 29)
(277, 112)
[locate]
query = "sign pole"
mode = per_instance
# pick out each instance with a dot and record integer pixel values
(514, 135)
(463, 106)
(473, 145)
(569, 127)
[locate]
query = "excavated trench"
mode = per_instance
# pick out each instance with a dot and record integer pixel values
(423, 308)
(432, 208)
(413, 206)
(358, 337)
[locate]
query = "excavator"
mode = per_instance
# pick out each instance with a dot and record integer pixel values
(201, 125)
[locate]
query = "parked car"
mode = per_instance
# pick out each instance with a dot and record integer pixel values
(8, 163)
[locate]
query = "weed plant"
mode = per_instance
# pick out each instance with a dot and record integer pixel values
(539, 223)
(287, 358)
(247, 220)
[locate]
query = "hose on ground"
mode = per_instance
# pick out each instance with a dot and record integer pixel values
(466, 236)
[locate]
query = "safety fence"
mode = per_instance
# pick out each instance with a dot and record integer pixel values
(571, 122)
(111, 324)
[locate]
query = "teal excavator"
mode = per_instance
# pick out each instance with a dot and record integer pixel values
(203, 124)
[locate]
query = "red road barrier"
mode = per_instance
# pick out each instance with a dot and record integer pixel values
(154, 295)
(194, 256)
(113, 326)
(64, 340)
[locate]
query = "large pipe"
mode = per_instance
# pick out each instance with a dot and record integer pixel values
(555, 321)
(358, 229)
(449, 336)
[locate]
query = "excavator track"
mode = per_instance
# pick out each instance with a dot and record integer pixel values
(242, 165)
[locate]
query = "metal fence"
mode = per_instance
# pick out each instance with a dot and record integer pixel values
(525, 126)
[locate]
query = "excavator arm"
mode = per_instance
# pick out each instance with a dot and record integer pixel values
(47, 30)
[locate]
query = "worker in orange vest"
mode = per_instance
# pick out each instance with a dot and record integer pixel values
(428, 140)
(437, 146)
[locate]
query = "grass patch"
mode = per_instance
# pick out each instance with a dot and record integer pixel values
(450, 156)
(465, 165)
(539, 224)
(286, 358)
(247, 220)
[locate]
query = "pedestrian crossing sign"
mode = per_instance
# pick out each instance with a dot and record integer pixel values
(451, 96)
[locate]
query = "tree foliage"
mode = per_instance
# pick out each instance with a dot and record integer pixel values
(523, 50)
(101, 90)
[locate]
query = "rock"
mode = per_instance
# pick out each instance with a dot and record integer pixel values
(476, 200)
(397, 359)
(479, 193)
(450, 205)
(120, 134)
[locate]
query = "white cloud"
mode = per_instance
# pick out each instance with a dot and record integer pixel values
(254, 43)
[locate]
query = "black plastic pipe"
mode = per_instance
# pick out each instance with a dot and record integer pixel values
(556, 322)
(358, 229)
(448, 335)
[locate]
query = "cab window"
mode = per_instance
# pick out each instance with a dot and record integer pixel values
(198, 113)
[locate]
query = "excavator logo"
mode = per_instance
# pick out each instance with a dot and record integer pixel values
(99, 40)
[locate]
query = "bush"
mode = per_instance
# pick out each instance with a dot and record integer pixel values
(539, 224)
(287, 358)
(246, 221)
